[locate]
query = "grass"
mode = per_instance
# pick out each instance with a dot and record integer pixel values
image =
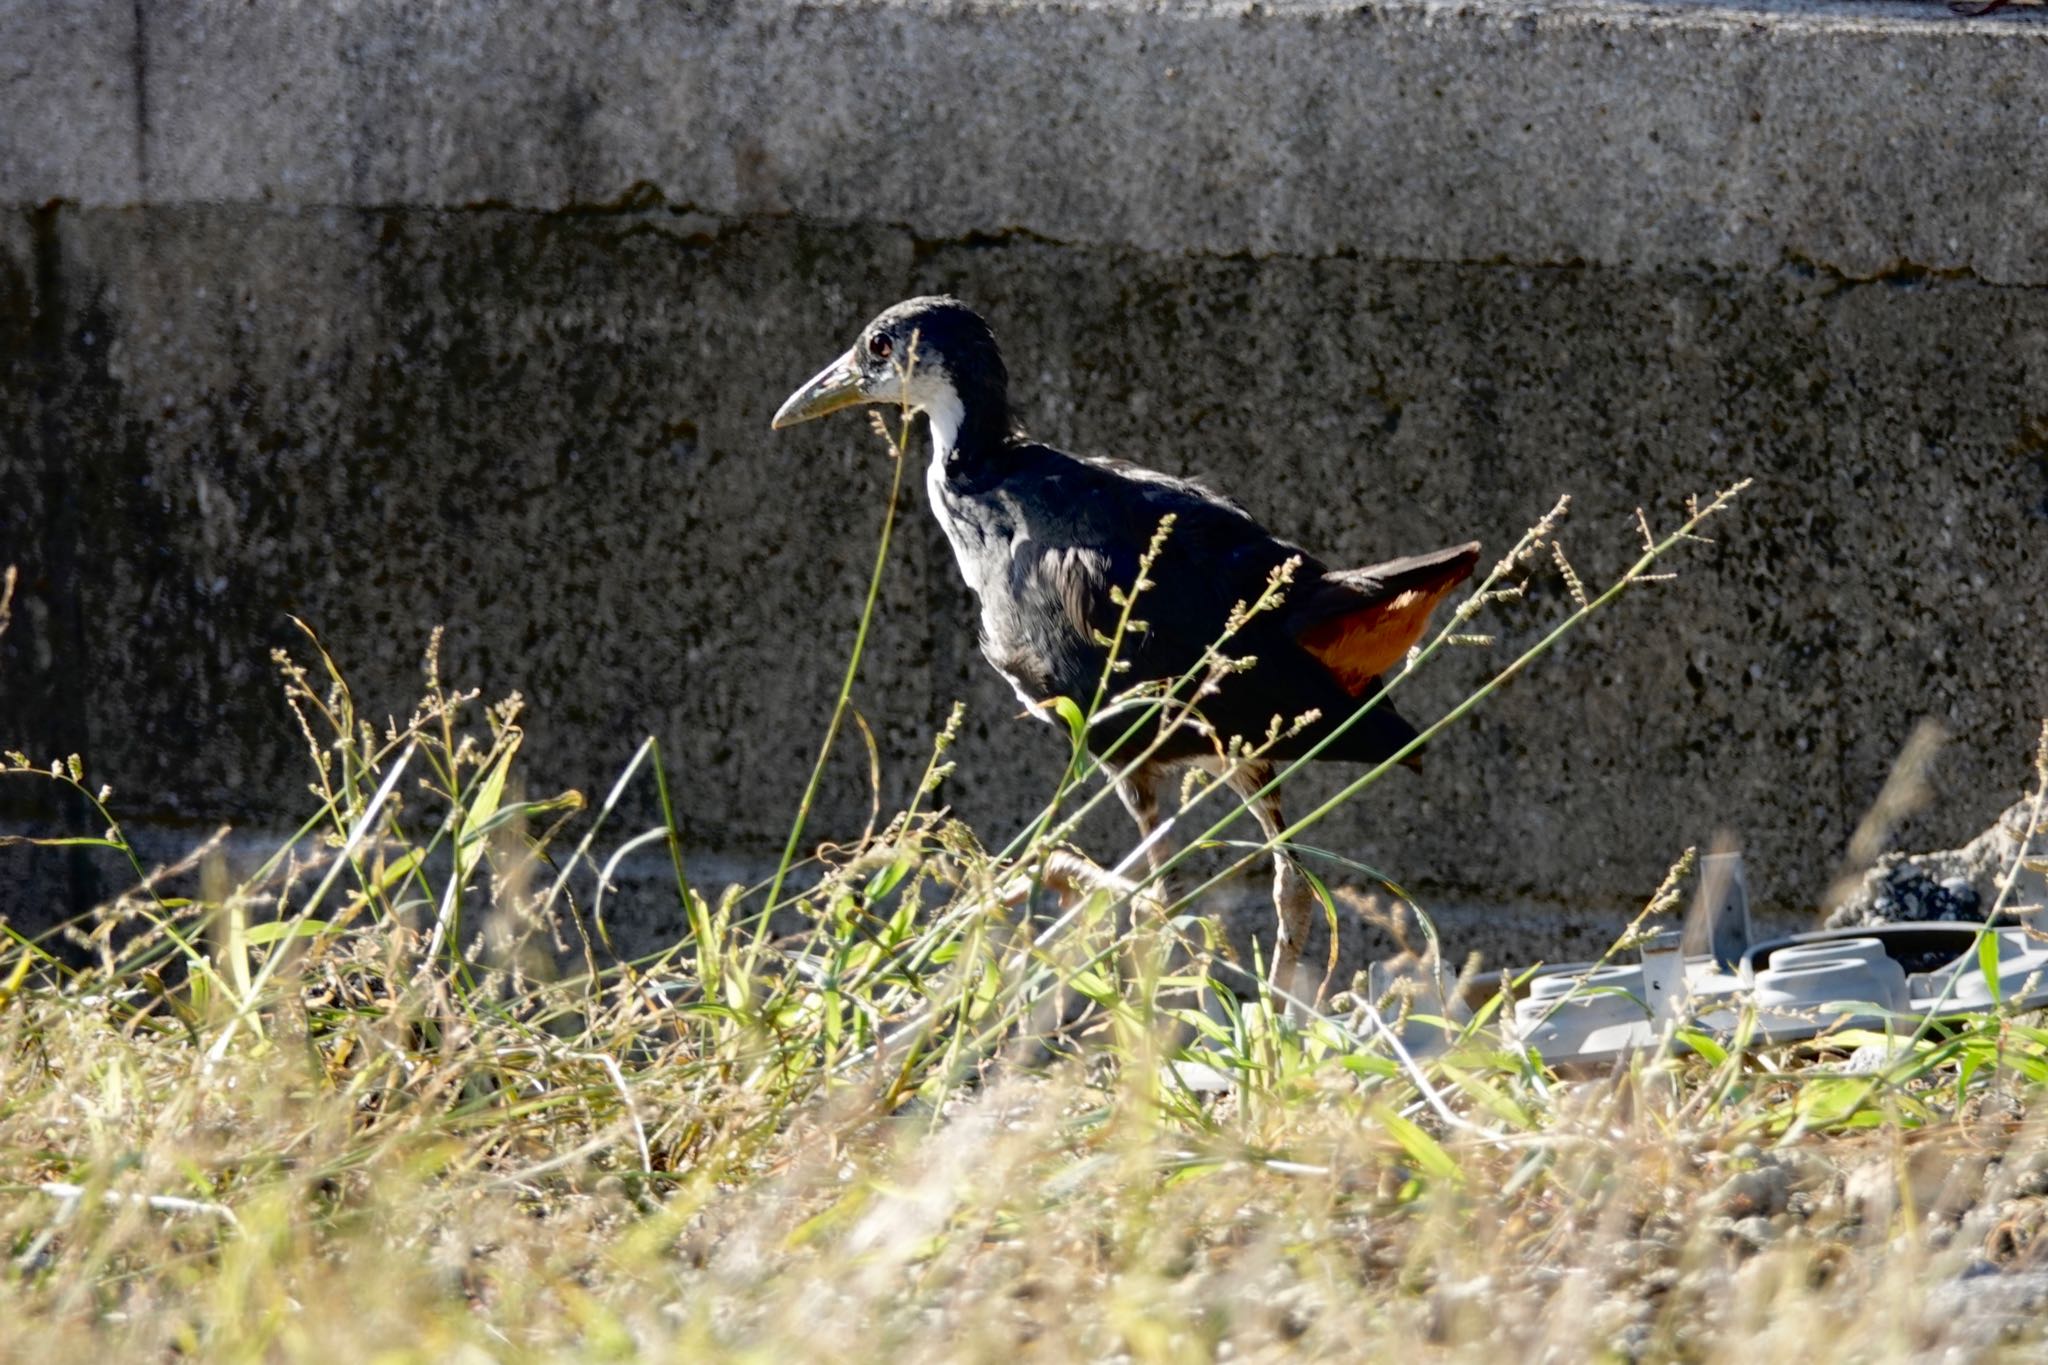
(395, 1096)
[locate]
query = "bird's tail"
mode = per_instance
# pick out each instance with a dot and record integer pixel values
(1379, 734)
(1359, 623)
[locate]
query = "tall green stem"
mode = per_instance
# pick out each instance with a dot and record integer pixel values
(860, 640)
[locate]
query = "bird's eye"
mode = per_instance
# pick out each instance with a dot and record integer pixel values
(879, 345)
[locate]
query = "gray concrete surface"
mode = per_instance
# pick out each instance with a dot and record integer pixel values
(355, 312)
(1857, 136)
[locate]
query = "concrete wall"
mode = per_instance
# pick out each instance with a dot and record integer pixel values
(388, 316)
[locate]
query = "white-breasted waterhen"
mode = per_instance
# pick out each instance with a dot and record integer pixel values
(1043, 538)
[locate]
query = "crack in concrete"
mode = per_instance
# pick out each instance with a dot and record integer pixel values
(645, 201)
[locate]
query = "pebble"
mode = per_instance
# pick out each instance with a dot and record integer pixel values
(1981, 1309)
(1758, 1232)
(1762, 1190)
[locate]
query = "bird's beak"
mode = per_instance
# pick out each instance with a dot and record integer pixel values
(830, 389)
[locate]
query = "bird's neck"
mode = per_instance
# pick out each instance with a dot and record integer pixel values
(945, 416)
(964, 431)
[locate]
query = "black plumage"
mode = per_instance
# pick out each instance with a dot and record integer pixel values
(1043, 538)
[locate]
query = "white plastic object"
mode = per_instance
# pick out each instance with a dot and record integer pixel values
(1718, 924)
(1814, 982)
(1663, 977)
(1803, 986)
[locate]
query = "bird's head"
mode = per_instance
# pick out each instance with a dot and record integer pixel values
(931, 355)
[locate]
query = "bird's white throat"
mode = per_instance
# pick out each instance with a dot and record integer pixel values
(944, 410)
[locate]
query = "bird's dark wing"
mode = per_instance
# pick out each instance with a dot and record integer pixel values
(1168, 487)
(1359, 623)
(1089, 521)
(1077, 580)
(1322, 651)
(1215, 557)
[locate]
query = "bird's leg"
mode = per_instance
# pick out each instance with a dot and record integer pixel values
(1293, 901)
(1139, 791)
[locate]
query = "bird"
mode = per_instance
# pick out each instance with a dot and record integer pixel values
(1051, 545)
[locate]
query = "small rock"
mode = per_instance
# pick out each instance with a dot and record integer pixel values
(1872, 1190)
(2029, 1174)
(1630, 1260)
(1961, 1186)
(1983, 1310)
(1660, 1281)
(1666, 1229)
(1633, 1342)
(1757, 1232)
(1760, 1191)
